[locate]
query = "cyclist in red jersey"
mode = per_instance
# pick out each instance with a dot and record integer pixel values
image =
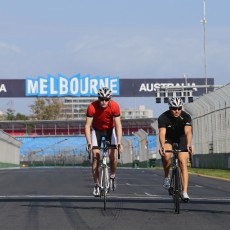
(103, 120)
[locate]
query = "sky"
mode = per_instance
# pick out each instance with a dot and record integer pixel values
(124, 38)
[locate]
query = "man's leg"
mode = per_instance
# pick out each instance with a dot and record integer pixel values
(112, 161)
(95, 165)
(183, 158)
(112, 152)
(167, 160)
(166, 165)
(113, 167)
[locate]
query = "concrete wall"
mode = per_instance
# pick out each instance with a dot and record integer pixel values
(9, 149)
(212, 161)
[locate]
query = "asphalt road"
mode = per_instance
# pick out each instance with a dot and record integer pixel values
(61, 199)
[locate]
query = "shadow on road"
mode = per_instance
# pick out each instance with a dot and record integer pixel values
(123, 204)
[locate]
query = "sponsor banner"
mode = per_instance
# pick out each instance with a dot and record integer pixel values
(158, 87)
(86, 86)
(12, 88)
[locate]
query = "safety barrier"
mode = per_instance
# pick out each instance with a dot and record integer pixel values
(212, 161)
(10, 149)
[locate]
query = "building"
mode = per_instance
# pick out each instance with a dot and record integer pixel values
(75, 108)
(141, 112)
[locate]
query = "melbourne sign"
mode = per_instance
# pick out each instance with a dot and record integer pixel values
(75, 86)
(87, 86)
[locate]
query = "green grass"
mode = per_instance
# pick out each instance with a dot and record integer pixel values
(211, 172)
(221, 173)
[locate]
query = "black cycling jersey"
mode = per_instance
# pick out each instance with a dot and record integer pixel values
(174, 125)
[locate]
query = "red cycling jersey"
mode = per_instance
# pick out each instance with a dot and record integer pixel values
(103, 118)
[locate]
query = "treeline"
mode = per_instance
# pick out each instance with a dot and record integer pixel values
(42, 109)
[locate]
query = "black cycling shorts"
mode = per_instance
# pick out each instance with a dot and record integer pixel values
(182, 143)
(108, 135)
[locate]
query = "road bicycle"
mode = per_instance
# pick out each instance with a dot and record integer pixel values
(104, 179)
(176, 185)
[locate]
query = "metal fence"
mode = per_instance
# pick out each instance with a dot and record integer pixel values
(211, 121)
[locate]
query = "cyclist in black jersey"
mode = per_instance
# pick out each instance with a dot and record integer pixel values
(175, 126)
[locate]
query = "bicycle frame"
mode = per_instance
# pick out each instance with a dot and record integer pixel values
(104, 173)
(176, 185)
(104, 179)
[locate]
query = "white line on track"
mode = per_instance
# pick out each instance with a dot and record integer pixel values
(115, 196)
(140, 185)
(146, 193)
(198, 186)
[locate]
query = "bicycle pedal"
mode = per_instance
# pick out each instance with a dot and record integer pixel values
(185, 200)
(170, 191)
(112, 184)
(97, 195)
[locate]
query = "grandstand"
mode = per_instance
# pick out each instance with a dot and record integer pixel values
(68, 127)
(75, 145)
(52, 145)
(49, 141)
(51, 148)
(68, 149)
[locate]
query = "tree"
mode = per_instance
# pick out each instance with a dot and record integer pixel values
(20, 116)
(10, 114)
(46, 108)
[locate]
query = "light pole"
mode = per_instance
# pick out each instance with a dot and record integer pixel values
(204, 21)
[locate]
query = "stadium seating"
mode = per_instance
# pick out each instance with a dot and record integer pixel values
(51, 145)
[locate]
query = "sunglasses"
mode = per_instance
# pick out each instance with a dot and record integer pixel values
(103, 99)
(178, 108)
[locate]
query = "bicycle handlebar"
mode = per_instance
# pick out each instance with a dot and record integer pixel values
(105, 148)
(89, 153)
(174, 150)
(118, 151)
(178, 151)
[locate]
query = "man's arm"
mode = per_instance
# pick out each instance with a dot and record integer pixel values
(87, 129)
(188, 134)
(162, 133)
(118, 129)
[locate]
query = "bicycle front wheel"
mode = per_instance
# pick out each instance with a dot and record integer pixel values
(104, 185)
(177, 188)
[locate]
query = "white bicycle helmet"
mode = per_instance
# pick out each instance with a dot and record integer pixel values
(105, 92)
(175, 102)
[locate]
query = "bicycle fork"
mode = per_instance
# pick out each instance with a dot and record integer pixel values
(174, 181)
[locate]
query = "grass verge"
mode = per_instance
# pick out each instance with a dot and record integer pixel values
(211, 172)
(219, 173)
